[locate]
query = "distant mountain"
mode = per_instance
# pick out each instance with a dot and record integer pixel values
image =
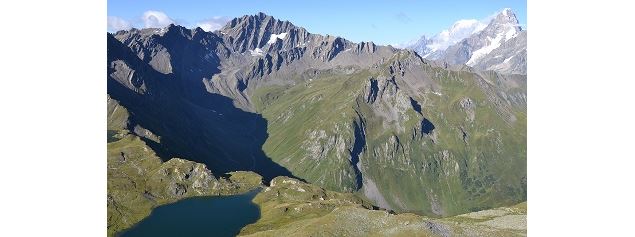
(500, 46)
(264, 95)
(509, 57)
(429, 47)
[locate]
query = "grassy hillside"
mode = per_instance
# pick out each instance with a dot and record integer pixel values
(310, 128)
(442, 150)
(293, 208)
(139, 181)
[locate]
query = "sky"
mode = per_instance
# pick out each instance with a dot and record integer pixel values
(383, 22)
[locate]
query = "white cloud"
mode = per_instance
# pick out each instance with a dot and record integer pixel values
(116, 24)
(156, 19)
(213, 23)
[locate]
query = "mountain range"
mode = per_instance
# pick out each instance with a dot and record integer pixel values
(401, 131)
(500, 45)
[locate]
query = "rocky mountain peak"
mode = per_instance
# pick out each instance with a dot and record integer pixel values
(496, 47)
(507, 12)
(176, 30)
(257, 19)
(252, 32)
(505, 19)
(499, 44)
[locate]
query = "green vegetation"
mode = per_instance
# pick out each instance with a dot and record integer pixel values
(307, 118)
(474, 159)
(293, 208)
(289, 200)
(117, 116)
(139, 181)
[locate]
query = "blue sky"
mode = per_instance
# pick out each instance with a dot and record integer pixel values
(384, 22)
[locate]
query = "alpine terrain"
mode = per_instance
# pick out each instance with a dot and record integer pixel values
(334, 131)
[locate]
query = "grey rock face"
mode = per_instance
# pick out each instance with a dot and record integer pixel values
(438, 228)
(250, 32)
(510, 57)
(468, 105)
(269, 46)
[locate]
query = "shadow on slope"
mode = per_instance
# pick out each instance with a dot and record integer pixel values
(191, 123)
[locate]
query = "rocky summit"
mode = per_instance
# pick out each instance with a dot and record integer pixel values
(359, 125)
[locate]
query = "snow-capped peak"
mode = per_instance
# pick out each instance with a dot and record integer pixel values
(460, 30)
(506, 11)
(505, 16)
(502, 28)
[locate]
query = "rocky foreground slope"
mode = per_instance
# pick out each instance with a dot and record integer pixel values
(290, 207)
(267, 96)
